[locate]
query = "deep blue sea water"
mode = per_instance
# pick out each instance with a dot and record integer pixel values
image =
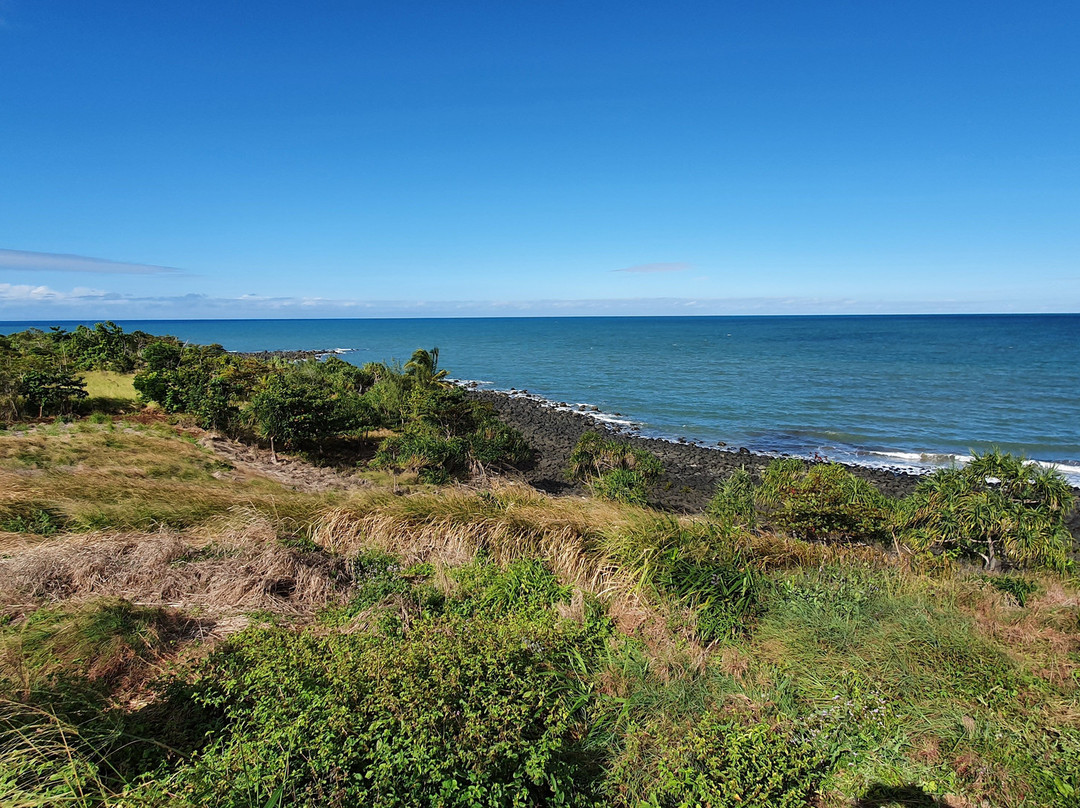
(910, 391)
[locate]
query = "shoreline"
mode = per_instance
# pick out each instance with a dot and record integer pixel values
(894, 461)
(692, 469)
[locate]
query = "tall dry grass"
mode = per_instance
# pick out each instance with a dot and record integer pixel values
(243, 567)
(610, 549)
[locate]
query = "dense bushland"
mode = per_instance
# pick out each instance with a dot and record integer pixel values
(40, 371)
(300, 406)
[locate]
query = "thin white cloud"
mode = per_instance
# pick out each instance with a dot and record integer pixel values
(22, 302)
(25, 292)
(27, 261)
(653, 268)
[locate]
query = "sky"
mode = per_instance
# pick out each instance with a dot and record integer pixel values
(537, 157)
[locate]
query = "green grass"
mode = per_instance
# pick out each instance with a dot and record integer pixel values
(108, 384)
(97, 477)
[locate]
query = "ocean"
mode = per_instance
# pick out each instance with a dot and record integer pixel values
(912, 392)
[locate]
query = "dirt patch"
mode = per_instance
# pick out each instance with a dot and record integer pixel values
(298, 474)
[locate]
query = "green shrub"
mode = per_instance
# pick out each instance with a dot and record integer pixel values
(823, 502)
(28, 517)
(717, 761)
(1017, 587)
(294, 411)
(999, 508)
(432, 458)
(621, 485)
(614, 470)
(447, 436)
(382, 583)
(461, 711)
(734, 502)
(724, 597)
(524, 585)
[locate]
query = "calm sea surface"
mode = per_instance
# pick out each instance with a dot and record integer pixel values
(910, 391)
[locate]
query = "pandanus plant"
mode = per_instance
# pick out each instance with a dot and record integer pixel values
(1000, 508)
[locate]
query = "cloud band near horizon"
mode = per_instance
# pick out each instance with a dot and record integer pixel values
(35, 303)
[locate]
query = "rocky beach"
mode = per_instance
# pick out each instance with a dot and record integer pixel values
(692, 469)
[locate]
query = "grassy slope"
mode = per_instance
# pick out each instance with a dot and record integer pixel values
(108, 384)
(921, 686)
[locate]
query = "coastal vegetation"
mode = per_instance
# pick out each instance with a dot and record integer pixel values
(182, 625)
(613, 470)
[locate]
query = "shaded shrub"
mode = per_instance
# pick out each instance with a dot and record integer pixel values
(823, 502)
(102, 641)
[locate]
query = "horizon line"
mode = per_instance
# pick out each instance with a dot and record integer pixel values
(552, 317)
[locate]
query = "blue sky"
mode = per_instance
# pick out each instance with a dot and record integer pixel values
(233, 159)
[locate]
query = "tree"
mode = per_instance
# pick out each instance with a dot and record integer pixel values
(423, 367)
(1000, 508)
(104, 347)
(50, 386)
(293, 411)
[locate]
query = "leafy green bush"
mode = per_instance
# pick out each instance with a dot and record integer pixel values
(462, 711)
(448, 435)
(432, 458)
(289, 409)
(723, 596)
(382, 583)
(823, 501)
(52, 388)
(28, 517)
(621, 485)
(1000, 508)
(718, 761)
(525, 585)
(1017, 587)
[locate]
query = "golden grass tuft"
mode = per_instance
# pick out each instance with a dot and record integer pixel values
(1042, 636)
(95, 477)
(507, 523)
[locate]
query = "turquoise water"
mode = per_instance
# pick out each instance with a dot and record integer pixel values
(910, 391)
